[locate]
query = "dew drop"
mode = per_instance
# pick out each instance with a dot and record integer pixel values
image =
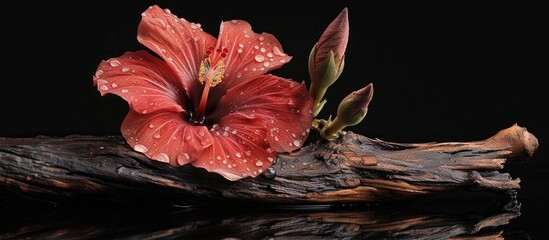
(240, 45)
(259, 163)
(115, 63)
(201, 133)
(114, 85)
(140, 148)
(218, 157)
(188, 138)
(238, 155)
(246, 36)
(125, 90)
(270, 159)
(248, 153)
(239, 50)
(290, 102)
(195, 25)
(276, 138)
(163, 157)
(263, 50)
(277, 51)
(296, 143)
(126, 69)
(104, 87)
(290, 144)
(234, 21)
(102, 81)
(98, 73)
(266, 64)
(156, 135)
(239, 75)
(144, 112)
(261, 38)
(151, 125)
(270, 55)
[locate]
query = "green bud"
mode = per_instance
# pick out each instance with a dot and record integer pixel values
(326, 60)
(351, 111)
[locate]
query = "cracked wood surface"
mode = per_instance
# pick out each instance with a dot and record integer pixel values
(351, 169)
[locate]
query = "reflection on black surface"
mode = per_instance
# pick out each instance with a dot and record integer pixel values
(429, 218)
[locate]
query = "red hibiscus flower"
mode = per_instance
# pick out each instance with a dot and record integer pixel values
(208, 101)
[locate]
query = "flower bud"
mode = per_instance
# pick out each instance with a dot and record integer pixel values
(326, 60)
(351, 111)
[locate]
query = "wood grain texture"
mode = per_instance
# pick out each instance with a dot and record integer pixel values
(352, 169)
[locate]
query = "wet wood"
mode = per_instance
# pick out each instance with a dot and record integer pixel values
(352, 169)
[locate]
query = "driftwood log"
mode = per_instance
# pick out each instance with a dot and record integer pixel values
(352, 169)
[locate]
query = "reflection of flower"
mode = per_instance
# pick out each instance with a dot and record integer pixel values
(210, 102)
(328, 57)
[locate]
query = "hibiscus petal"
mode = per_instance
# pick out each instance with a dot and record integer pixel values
(239, 148)
(165, 136)
(249, 54)
(283, 106)
(143, 80)
(180, 43)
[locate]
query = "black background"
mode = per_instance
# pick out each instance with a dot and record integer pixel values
(441, 72)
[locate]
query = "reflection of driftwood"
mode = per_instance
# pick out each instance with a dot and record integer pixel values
(351, 169)
(274, 222)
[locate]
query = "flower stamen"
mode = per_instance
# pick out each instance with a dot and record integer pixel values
(210, 74)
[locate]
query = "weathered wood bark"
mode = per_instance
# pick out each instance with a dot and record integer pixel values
(352, 169)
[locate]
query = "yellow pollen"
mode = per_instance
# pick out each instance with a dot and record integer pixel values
(209, 74)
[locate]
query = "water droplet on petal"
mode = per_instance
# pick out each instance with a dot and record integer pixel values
(98, 73)
(140, 148)
(151, 125)
(261, 38)
(114, 85)
(270, 159)
(266, 64)
(115, 63)
(104, 87)
(101, 81)
(238, 155)
(259, 58)
(201, 133)
(126, 69)
(163, 157)
(234, 21)
(218, 157)
(263, 50)
(240, 45)
(270, 55)
(277, 51)
(156, 135)
(259, 163)
(125, 90)
(239, 50)
(296, 143)
(248, 153)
